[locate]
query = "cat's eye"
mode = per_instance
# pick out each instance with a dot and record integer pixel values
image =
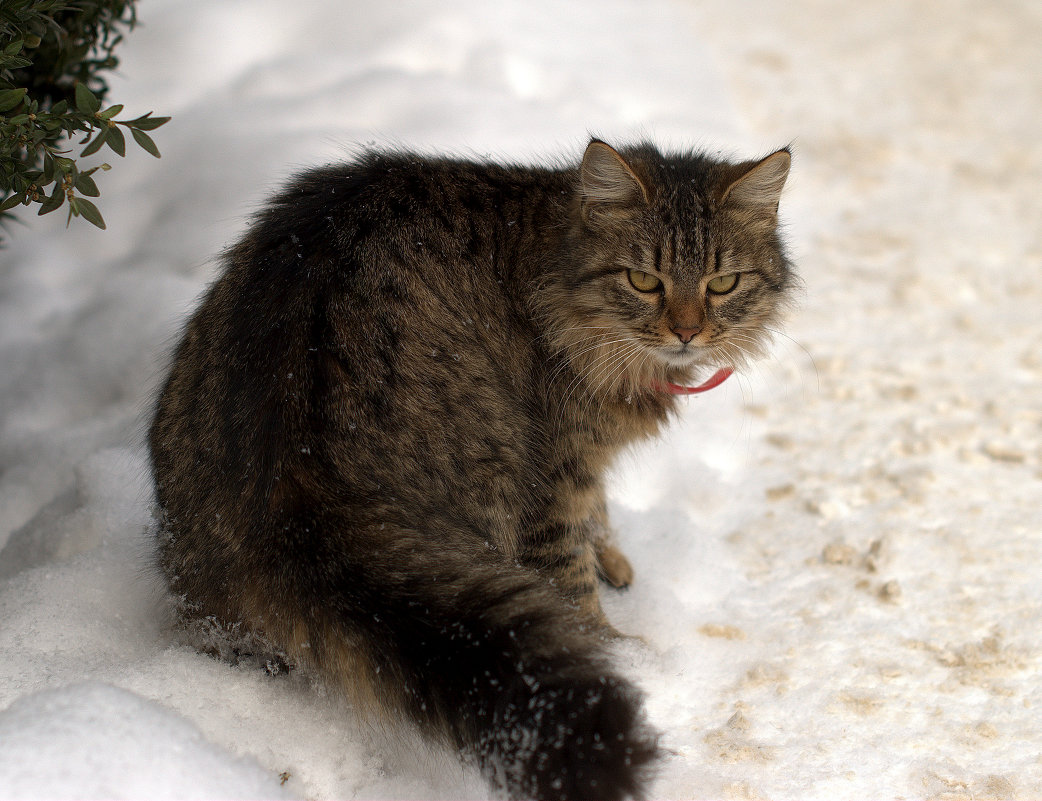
(643, 282)
(723, 284)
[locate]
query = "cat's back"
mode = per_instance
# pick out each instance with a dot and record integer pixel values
(387, 235)
(369, 303)
(360, 239)
(384, 201)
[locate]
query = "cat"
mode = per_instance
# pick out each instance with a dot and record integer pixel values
(382, 442)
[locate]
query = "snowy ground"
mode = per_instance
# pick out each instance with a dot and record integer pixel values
(836, 555)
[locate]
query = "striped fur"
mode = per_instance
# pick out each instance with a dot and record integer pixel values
(382, 441)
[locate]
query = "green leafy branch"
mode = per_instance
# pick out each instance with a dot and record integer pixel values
(37, 132)
(49, 51)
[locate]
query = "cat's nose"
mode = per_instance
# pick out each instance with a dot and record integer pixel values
(685, 335)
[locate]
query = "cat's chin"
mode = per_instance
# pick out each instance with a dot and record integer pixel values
(686, 359)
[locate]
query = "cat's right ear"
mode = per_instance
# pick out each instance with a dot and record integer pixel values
(609, 187)
(760, 185)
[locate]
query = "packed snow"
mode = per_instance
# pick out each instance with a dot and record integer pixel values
(836, 551)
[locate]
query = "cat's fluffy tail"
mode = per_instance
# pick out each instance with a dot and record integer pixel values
(481, 654)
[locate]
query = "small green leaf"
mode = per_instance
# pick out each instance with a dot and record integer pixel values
(85, 100)
(96, 143)
(114, 138)
(9, 98)
(59, 108)
(148, 122)
(14, 48)
(53, 202)
(89, 212)
(110, 112)
(85, 185)
(145, 141)
(48, 168)
(11, 202)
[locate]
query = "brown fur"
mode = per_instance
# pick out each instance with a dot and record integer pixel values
(382, 441)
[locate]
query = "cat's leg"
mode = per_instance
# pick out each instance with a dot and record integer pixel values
(612, 564)
(572, 563)
(566, 556)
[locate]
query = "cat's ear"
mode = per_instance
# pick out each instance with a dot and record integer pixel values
(760, 186)
(608, 183)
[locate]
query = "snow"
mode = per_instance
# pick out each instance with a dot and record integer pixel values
(124, 747)
(836, 552)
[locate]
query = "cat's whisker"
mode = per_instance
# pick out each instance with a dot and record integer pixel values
(642, 378)
(736, 354)
(618, 370)
(580, 366)
(574, 358)
(608, 361)
(583, 343)
(806, 352)
(607, 345)
(775, 332)
(611, 355)
(773, 355)
(749, 353)
(581, 375)
(619, 375)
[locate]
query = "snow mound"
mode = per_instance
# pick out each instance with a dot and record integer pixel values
(93, 740)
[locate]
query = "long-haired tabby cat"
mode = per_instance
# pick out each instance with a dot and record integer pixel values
(382, 443)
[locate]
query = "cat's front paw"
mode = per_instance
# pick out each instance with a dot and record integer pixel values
(613, 566)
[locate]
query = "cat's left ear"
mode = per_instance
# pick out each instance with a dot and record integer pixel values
(609, 186)
(760, 186)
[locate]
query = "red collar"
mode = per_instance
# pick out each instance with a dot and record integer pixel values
(715, 380)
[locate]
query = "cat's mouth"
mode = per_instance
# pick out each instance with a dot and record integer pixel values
(682, 363)
(682, 356)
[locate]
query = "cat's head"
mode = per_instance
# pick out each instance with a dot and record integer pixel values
(680, 265)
